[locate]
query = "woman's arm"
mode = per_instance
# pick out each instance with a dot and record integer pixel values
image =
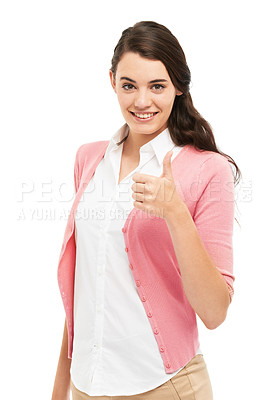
(61, 389)
(203, 244)
(203, 284)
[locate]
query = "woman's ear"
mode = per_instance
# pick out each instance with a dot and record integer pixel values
(178, 93)
(112, 80)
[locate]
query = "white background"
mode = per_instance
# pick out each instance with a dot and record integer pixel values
(55, 94)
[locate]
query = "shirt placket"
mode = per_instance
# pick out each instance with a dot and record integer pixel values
(100, 280)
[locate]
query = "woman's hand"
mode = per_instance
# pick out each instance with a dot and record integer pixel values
(157, 195)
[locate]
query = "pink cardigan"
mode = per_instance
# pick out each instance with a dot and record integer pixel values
(205, 182)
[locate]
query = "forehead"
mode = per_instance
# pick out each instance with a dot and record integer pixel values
(138, 68)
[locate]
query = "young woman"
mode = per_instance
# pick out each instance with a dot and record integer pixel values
(148, 242)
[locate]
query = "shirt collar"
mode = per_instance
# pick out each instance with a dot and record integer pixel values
(116, 138)
(159, 146)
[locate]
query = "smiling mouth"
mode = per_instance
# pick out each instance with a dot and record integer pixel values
(144, 115)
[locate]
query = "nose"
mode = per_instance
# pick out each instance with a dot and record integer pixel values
(142, 100)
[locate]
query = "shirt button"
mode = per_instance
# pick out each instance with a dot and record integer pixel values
(138, 283)
(162, 349)
(155, 330)
(123, 230)
(143, 298)
(130, 265)
(149, 314)
(126, 249)
(167, 365)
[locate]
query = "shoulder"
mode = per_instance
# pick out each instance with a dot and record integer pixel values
(89, 148)
(88, 151)
(209, 163)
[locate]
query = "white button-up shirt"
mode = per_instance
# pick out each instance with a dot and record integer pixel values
(115, 352)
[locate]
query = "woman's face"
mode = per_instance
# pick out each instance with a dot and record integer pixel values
(145, 93)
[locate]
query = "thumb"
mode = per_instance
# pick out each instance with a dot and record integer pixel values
(167, 166)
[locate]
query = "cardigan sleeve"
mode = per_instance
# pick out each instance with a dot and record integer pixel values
(214, 214)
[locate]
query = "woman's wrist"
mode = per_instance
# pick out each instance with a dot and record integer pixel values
(178, 212)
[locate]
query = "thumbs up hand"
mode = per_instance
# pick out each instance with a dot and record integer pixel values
(157, 195)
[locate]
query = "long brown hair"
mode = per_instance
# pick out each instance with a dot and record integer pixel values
(156, 42)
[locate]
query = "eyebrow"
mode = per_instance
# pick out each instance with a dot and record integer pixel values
(131, 80)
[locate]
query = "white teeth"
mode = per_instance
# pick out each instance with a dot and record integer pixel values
(143, 115)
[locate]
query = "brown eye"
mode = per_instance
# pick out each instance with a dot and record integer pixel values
(159, 87)
(128, 86)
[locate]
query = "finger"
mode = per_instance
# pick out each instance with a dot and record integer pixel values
(138, 187)
(138, 197)
(167, 165)
(142, 178)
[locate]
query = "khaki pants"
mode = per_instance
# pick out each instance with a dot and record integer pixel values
(190, 383)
